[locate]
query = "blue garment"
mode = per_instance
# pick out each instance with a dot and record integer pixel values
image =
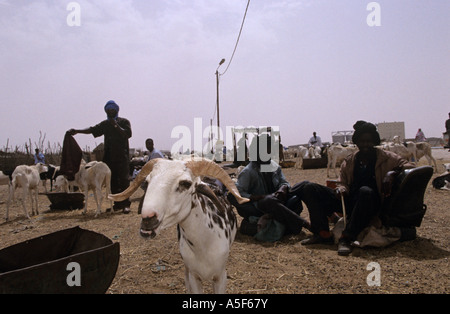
(251, 180)
(154, 154)
(112, 105)
(39, 158)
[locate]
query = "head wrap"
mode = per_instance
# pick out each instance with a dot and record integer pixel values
(112, 105)
(362, 127)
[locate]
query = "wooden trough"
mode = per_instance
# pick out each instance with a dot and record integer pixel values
(70, 201)
(315, 163)
(41, 265)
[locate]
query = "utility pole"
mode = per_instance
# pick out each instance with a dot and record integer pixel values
(217, 93)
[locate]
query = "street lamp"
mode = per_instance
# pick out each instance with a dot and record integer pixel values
(217, 90)
(218, 116)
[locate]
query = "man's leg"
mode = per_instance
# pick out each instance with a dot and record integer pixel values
(366, 206)
(321, 202)
(246, 210)
(291, 220)
(119, 183)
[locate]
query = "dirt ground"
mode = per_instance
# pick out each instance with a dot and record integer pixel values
(284, 267)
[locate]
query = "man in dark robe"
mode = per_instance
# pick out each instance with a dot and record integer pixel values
(366, 179)
(116, 131)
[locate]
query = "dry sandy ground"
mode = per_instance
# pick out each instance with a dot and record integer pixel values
(284, 267)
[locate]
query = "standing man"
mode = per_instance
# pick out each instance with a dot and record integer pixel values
(116, 131)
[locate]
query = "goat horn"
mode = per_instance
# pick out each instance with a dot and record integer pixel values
(136, 183)
(205, 167)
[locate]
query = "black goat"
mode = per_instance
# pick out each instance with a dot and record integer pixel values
(51, 174)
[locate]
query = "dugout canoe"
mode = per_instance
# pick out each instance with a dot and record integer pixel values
(41, 265)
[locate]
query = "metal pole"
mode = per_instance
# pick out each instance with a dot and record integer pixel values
(217, 90)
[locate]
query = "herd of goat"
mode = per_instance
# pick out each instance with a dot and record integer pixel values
(92, 176)
(336, 152)
(178, 194)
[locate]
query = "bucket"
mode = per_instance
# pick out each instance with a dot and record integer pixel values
(332, 184)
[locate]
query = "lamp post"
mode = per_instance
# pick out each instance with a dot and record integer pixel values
(218, 146)
(217, 92)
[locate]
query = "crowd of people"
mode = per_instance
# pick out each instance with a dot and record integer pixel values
(366, 179)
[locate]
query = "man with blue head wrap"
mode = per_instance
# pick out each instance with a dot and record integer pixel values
(116, 131)
(112, 110)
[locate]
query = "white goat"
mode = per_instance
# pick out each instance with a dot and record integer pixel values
(446, 168)
(400, 150)
(27, 178)
(424, 149)
(298, 154)
(92, 176)
(410, 150)
(314, 152)
(336, 154)
(62, 184)
(207, 224)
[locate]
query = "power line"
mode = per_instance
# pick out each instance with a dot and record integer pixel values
(231, 59)
(237, 41)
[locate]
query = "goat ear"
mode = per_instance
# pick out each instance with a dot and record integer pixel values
(206, 190)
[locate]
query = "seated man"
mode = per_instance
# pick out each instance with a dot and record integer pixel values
(152, 151)
(366, 178)
(269, 193)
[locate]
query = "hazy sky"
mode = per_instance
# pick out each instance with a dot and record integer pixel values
(301, 65)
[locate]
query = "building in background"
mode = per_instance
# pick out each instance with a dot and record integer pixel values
(388, 130)
(341, 136)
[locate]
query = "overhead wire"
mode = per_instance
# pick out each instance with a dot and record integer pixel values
(237, 41)
(234, 50)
